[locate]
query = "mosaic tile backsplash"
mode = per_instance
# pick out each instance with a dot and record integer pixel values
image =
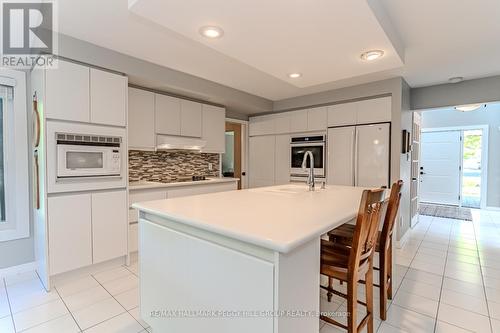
(168, 166)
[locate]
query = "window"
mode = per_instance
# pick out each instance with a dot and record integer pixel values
(14, 152)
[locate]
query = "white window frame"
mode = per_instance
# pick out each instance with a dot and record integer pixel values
(17, 176)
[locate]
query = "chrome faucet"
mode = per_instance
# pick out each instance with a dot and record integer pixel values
(310, 177)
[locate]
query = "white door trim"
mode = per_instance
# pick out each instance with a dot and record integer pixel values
(244, 149)
(484, 155)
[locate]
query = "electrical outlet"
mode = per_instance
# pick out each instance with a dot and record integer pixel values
(210, 166)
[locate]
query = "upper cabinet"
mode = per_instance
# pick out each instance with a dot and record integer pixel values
(262, 125)
(342, 114)
(67, 92)
(214, 128)
(374, 110)
(317, 119)
(281, 123)
(190, 118)
(76, 92)
(108, 98)
(141, 119)
(298, 120)
(368, 111)
(167, 115)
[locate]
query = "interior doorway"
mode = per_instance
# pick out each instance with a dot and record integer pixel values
(231, 159)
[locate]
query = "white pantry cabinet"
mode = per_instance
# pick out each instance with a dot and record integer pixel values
(262, 160)
(108, 98)
(214, 128)
(298, 120)
(70, 232)
(281, 123)
(190, 118)
(167, 115)
(109, 225)
(141, 119)
(282, 160)
(67, 92)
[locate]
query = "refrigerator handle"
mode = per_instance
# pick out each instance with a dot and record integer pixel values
(355, 143)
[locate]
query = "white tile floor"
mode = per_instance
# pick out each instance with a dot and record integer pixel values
(447, 279)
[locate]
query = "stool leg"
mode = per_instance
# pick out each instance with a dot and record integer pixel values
(369, 296)
(389, 269)
(383, 284)
(352, 303)
(329, 294)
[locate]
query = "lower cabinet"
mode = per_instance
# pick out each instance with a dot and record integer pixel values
(86, 228)
(109, 221)
(164, 193)
(70, 232)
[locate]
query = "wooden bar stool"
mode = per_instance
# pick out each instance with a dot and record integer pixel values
(344, 234)
(355, 263)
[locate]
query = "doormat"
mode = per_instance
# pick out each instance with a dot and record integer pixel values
(451, 212)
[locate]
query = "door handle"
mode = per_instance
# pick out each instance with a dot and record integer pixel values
(422, 173)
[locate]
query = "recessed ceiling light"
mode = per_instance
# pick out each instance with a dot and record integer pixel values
(456, 79)
(294, 75)
(469, 107)
(372, 55)
(211, 32)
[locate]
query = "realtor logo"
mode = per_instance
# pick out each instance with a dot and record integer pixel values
(27, 28)
(28, 37)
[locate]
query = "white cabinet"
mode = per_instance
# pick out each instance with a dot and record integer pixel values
(262, 125)
(185, 191)
(317, 119)
(190, 118)
(70, 232)
(214, 128)
(167, 115)
(298, 121)
(109, 225)
(374, 110)
(141, 119)
(67, 92)
(143, 195)
(282, 160)
(342, 114)
(261, 160)
(281, 123)
(108, 98)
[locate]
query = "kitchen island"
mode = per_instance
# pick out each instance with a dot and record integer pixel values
(238, 261)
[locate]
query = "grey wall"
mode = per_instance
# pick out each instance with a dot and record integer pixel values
(393, 87)
(489, 116)
(467, 92)
(147, 74)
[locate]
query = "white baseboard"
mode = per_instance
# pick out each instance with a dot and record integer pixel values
(13, 270)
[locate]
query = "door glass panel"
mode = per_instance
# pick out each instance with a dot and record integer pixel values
(471, 178)
(228, 156)
(2, 175)
(84, 160)
(298, 156)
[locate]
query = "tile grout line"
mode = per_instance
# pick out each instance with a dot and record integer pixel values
(69, 311)
(482, 276)
(10, 307)
(442, 278)
(116, 302)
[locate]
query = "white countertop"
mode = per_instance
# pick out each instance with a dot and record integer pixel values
(143, 185)
(279, 218)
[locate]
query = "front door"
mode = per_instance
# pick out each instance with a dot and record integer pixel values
(440, 167)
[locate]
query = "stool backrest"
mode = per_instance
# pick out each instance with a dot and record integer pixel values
(391, 214)
(365, 232)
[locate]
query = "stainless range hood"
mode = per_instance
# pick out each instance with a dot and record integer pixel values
(168, 142)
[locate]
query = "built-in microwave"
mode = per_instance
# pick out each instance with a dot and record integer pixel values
(315, 143)
(81, 155)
